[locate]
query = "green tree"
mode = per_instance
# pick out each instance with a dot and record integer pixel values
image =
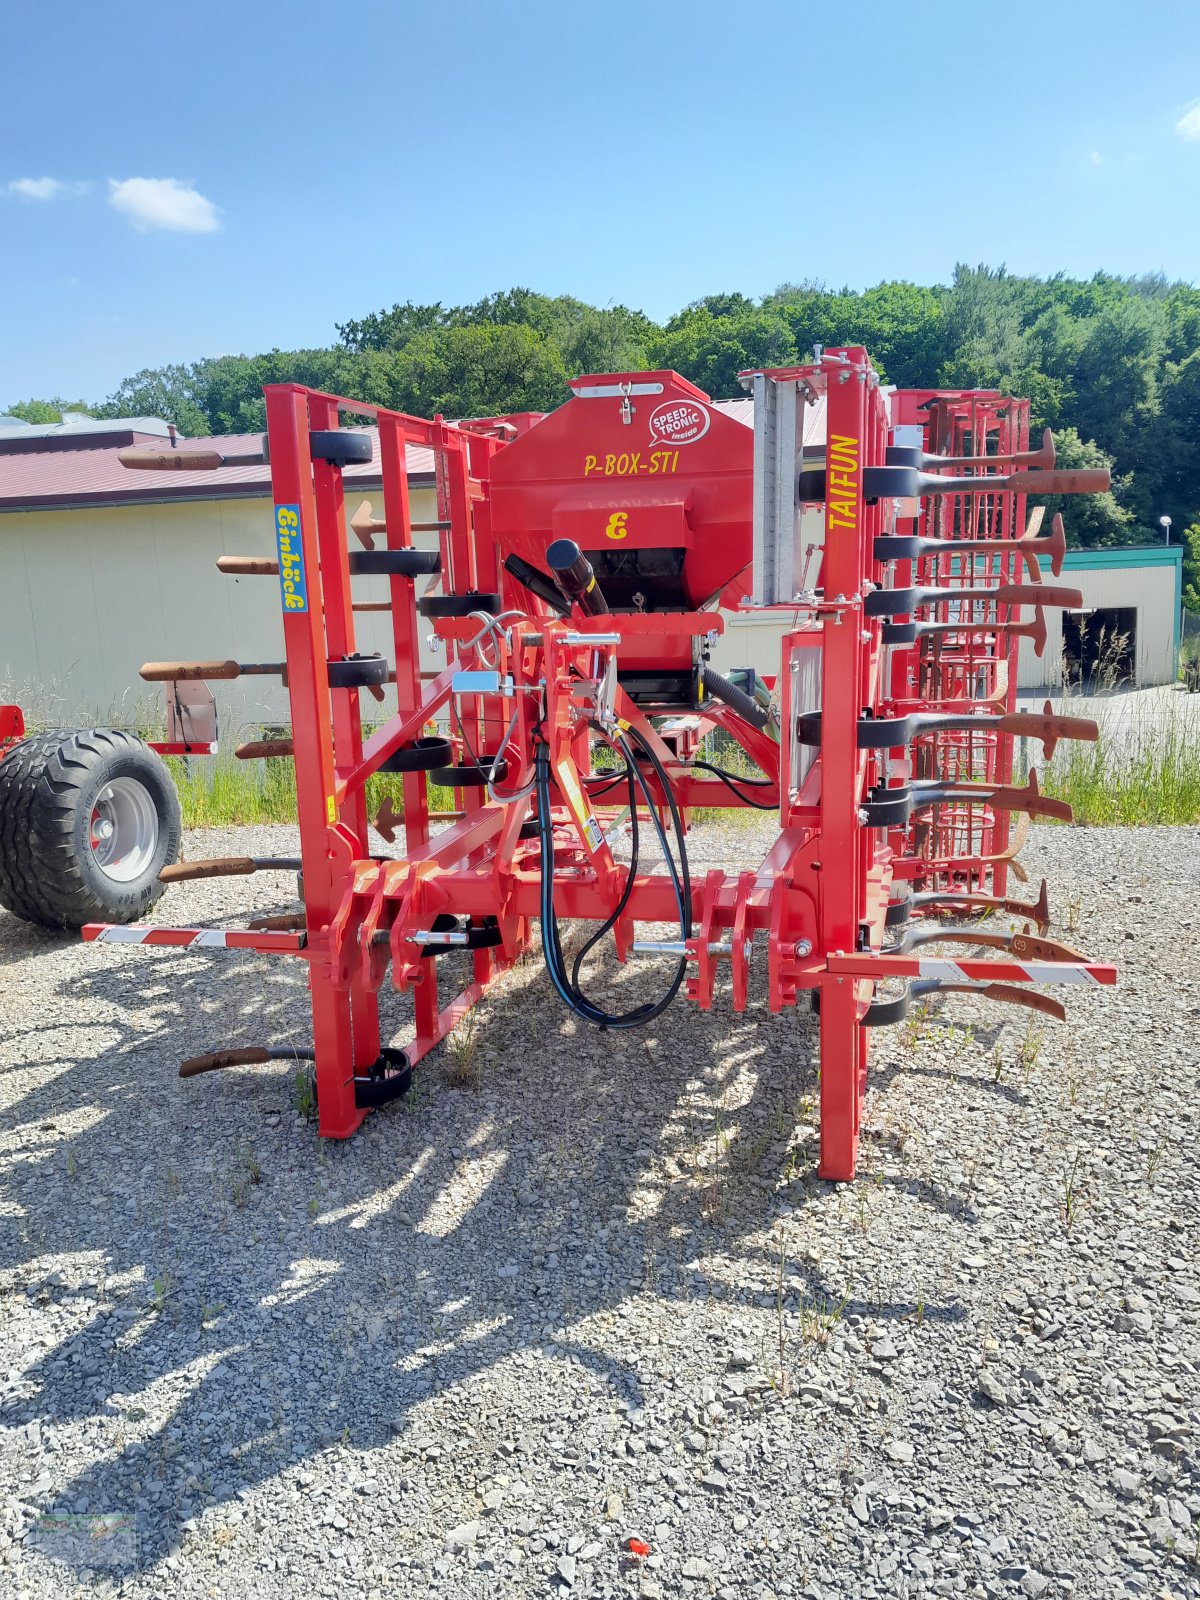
(1090, 520)
(172, 393)
(43, 411)
(479, 371)
(711, 350)
(1191, 567)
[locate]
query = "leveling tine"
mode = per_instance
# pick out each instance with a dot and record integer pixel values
(252, 1056)
(228, 867)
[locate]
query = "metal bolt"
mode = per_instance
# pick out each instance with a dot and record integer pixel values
(862, 818)
(804, 947)
(747, 946)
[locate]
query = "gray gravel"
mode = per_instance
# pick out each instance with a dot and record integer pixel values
(583, 1289)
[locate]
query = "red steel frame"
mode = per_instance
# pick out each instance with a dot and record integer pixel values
(818, 901)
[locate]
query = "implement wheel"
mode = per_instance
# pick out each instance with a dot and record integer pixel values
(88, 820)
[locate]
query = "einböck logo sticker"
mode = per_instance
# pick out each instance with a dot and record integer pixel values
(292, 585)
(679, 422)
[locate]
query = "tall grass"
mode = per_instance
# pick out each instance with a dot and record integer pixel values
(1140, 770)
(220, 791)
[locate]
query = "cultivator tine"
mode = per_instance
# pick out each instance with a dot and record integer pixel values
(252, 1056)
(904, 602)
(365, 525)
(949, 900)
(933, 792)
(264, 749)
(1044, 457)
(1006, 993)
(228, 867)
(248, 566)
(898, 547)
(387, 819)
(147, 458)
(1029, 946)
(288, 922)
(975, 863)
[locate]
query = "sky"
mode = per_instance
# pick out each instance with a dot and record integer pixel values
(187, 181)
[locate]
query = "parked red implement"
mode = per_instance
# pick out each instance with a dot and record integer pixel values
(585, 563)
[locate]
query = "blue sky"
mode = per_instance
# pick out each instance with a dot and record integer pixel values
(231, 177)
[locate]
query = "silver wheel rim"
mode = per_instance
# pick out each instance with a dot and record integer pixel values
(123, 831)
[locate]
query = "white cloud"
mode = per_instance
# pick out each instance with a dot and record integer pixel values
(162, 203)
(1188, 126)
(35, 188)
(1095, 158)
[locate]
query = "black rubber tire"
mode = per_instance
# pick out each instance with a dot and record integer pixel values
(457, 605)
(396, 563)
(340, 448)
(470, 775)
(48, 790)
(419, 756)
(357, 672)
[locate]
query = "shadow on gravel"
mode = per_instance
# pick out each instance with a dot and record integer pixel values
(251, 1295)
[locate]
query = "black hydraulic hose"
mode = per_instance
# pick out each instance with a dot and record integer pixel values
(736, 699)
(572, 572)
(568, 987)
(529, 577)
(731, 781)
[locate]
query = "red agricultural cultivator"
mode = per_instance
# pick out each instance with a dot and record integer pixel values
(586, 562)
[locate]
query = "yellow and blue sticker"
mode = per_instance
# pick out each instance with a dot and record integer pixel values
(292, 584)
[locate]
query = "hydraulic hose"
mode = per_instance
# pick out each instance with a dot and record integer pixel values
(572, 572)
(736, 699)
(568, 985)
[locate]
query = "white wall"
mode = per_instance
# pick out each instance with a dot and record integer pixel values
(1150, 589)
(90, 594)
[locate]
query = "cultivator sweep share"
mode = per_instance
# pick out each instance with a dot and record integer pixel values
(585, 565)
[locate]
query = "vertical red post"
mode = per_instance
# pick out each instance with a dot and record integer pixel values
(397, 511)
(843, 681)
(345, 703)
(296, 527)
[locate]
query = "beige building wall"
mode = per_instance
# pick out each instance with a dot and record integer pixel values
(1151, 589)
(89, 594)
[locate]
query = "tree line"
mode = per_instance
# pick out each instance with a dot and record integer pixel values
(1112, 364)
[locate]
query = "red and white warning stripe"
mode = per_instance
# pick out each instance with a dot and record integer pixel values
(888, 966)
(204, 938)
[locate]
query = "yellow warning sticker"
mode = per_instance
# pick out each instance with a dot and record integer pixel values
(566, 782)
(331, 809)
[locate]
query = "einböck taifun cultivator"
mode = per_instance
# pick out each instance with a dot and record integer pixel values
(586, 562)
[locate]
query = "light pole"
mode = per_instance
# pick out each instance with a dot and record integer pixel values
(1165, 524)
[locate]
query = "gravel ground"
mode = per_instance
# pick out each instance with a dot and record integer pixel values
(582, 1289)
